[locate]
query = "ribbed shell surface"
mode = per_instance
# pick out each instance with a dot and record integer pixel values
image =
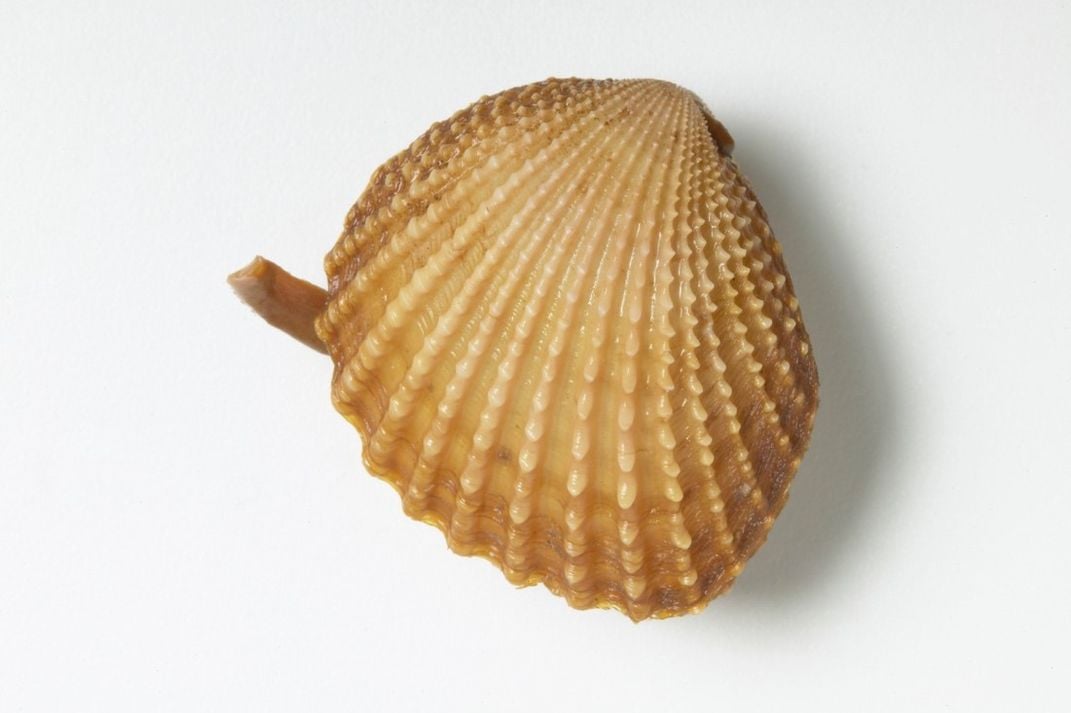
(565, 332)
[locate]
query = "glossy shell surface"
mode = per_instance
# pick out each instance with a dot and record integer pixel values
(565, 331)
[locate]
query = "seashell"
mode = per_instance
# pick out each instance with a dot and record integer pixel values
(565, 332)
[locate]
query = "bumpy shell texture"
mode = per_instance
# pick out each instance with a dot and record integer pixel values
(566, 334)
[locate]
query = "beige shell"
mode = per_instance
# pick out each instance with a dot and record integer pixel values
(565, 332)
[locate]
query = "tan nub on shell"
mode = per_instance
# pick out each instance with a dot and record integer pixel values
(566, 334)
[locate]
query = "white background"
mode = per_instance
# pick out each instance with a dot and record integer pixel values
(185, 523)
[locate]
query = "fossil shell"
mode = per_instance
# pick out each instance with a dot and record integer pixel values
(566, 334)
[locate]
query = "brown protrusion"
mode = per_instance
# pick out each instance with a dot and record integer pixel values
(284, 301)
